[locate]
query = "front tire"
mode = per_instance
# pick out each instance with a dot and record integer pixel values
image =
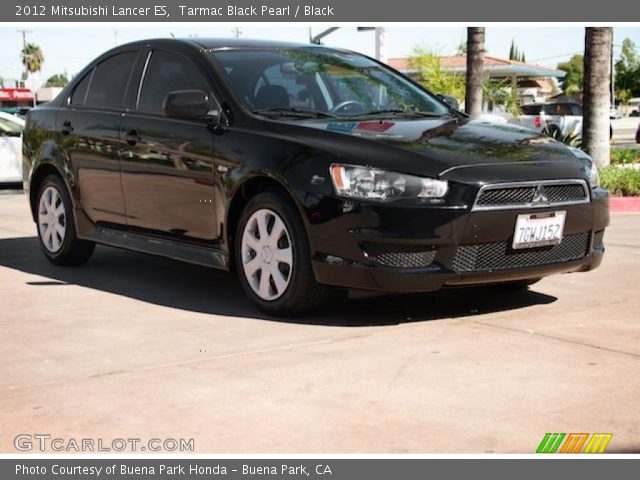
(273, 259)
(56, 228)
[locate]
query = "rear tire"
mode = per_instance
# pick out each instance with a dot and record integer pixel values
(273, 260)
(56, 228)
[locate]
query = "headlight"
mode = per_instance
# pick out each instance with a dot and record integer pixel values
(594, 178)
(353, 181)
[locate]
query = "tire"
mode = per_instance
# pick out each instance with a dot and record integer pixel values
(55, 225)
(289, 287)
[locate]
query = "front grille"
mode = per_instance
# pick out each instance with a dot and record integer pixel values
(529, 195)
(500, 255)
(399, 256)
(506, 196)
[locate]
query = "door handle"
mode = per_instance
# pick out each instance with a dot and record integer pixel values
(66, 127)
(132, 137)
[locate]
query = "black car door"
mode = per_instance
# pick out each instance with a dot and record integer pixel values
(90, 130)
(167, 163)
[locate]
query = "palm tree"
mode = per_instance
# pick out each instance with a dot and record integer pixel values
(32, 58)
(475, 64)
(597, 93)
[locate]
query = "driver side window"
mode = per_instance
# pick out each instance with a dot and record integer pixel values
(167, 72)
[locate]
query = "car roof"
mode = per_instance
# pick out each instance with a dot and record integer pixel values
(563, 103)
(222, 43)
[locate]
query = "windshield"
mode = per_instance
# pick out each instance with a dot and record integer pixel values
(321, 82)
(10, 128)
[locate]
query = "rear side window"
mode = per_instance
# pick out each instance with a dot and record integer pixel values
(531, 109)
(576, 110)
(167, 72)
(80, 92)
(109, 81)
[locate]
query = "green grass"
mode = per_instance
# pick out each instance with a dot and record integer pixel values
(620, 181)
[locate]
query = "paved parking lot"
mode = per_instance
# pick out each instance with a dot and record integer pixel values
(134, 346)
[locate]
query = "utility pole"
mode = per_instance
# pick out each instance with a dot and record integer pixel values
(236, 32)
(381, 44)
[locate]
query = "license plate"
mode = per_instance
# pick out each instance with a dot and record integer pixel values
(538, 229)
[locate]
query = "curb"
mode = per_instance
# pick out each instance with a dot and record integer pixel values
(624, 204)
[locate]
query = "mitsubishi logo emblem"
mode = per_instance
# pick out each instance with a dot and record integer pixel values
(541, 195)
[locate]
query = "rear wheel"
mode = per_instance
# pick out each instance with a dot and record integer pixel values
(273, 259)
(56, 229)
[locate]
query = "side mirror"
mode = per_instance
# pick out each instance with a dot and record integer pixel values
(187, 104)
(451, 101)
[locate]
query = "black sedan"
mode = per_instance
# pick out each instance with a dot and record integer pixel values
(306, 169)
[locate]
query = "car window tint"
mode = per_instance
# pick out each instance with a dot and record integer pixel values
(297, 86)
(80, 92)
(109, 81)
(167, 72)
(531, 109)
(564, 109)
(576, 110)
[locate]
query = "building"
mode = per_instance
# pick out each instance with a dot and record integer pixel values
(535, 83)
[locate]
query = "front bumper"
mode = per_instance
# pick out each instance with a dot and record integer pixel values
(399, 249)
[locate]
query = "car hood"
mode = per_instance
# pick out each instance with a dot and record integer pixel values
(434, 146)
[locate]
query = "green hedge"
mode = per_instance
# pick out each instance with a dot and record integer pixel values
(620, 181)
(625, 155)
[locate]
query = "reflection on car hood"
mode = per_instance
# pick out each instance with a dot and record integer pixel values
(429, 145)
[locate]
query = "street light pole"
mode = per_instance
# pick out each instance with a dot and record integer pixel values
(381, 44)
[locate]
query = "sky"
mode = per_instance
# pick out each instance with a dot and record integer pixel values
(67, 49)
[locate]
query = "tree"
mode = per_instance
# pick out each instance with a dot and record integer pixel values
(32, 58)
(598, 45)
(57, 80)
(433, 77)
(475, 67)
(627, 83)
(515, 53)
(573, 81)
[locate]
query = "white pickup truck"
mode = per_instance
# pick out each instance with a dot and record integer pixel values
(566, 116)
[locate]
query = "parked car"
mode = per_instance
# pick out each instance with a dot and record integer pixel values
(306, 169)
(638, 134)
(565, 116)
(10, 148)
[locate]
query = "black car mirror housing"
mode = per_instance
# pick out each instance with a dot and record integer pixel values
(188, 104)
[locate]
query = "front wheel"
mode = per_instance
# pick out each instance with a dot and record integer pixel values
(56, 230)
(273, 259)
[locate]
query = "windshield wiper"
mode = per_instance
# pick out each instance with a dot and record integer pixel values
(395, 111)
(293, 112)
